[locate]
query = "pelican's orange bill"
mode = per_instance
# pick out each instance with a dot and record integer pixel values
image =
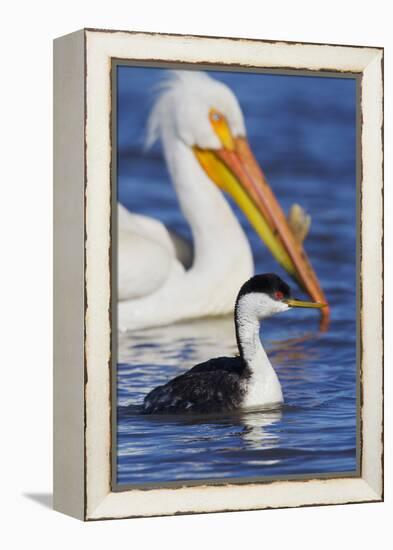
(235, 170)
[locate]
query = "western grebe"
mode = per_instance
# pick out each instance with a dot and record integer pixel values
(247, 381)
(203, 135)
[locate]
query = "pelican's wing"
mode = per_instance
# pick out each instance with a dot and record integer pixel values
(146, 255)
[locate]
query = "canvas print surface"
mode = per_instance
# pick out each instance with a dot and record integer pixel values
(236, 252)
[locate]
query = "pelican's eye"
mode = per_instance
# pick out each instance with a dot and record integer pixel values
(278, 295)
(221, 129)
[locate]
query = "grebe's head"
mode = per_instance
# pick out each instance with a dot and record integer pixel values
(265, 295)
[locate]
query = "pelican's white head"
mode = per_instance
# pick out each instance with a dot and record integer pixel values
(191, 107)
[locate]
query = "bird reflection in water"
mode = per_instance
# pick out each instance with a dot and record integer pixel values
(255, 434)
(198, 340)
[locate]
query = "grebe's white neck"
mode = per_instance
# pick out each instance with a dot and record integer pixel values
(247, 323)
(264, 386)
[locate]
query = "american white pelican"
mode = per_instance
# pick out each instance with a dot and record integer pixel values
(247, 381)
(202, 131)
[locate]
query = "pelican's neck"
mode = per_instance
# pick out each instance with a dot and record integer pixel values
(217, 234)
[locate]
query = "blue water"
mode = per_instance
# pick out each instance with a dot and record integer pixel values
(303, 132)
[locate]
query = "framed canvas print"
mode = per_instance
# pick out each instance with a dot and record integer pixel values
(218, 274)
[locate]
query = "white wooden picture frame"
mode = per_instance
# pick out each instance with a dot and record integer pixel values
(83, 334)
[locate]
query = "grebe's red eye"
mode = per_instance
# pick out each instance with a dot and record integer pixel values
(278, 295)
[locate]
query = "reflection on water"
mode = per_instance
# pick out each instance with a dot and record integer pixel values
(255, 434)
(192, 341)
(312, 433)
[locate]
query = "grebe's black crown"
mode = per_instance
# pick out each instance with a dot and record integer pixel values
(268, 283)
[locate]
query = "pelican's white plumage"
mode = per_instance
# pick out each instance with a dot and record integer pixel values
(201, 128)
(153, 286)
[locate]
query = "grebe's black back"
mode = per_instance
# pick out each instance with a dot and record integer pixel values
(225, 384)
